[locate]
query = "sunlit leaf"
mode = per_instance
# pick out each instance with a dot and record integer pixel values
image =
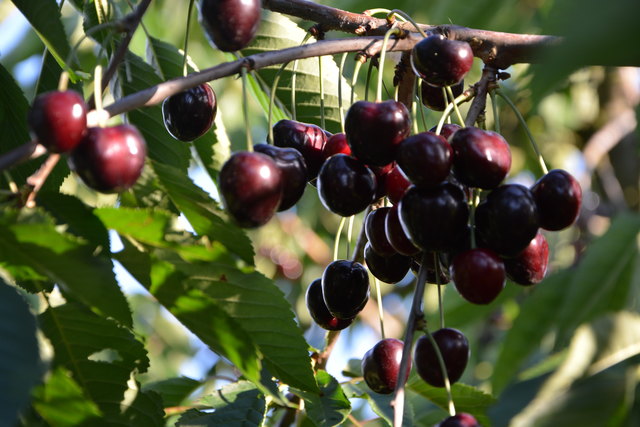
(331, 407)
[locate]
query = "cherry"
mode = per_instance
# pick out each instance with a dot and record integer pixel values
(230, 24)
(58, 120)
(454, 348)
(434, 217)
(461, 419)
(345, 288)
(319, 311)
(507, 219)
(425, 159)
(381, 365)
(345, 185)
(251, 188)
(558, 196)
(447, 130)
(109, 160)
(529, 266)
(442, 278)
(434, 98)
(440, 61)
(374, 227)
(389, 269)
(374, 130)
(336, 144)
(396, 236)
(395, 184)
(478, 275)
(306, 138)
(189, 114)
(293, 169)
(481, 158)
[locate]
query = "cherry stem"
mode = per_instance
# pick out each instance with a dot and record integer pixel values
(443, 368)
(293, 79)
(37, 180)
(523, 122)
(383, 52)
(406, 17)
(464, 96)
(336, 243)
(380, 308)
(472, 216)
(272, 99)
(186, 38)
(436, 264)
(350, 232)
(245, 108)
(97, 92)
(415, 315)
(321, 84)
(419, 86)
(455, 105)
(63, 82)
(358, 250)
(340, 106)
(496, 114)
(414, 113)
(367, 81)
(360, 59)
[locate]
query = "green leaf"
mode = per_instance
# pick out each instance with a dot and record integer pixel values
(145, 410)
(466, 398)
(36, 244)
(61, 401)
(331, 406)
(239, 404)
(174, 391)
(20, 365)
(381, 404)
(278, 32)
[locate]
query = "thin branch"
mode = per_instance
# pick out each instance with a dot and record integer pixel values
(479, 103)
(21, 153)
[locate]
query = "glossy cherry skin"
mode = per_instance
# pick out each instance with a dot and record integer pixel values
(58, 120)
(442, 278)
(109, 160)
(478, 275)
(425, 158)
(306, 138)
(507, 219)
(447, 130)
(389, 269)
(251, 188)
(558, 196)
(440, 61)
(345, 288)
(345, 185)
(374, 130)
(454, 348)
(481, 158)
(529, 266)
(336, 144)
(395, 184)
(396, 235)
(434, 217)
(374, 228)
(381, 365)
(461, 419)
(319, 311)
(230, 24)
(293, 169)
(433, 97)
(189, 114)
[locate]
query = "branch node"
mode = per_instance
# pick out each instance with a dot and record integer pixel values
(317, 32)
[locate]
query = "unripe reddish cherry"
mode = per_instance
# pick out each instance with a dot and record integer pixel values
(58, 120)
(395, 184)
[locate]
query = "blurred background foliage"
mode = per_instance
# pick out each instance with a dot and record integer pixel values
(529, 347)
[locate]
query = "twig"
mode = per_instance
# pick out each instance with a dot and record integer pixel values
(480, 101)
(37, 180)
(21, 153)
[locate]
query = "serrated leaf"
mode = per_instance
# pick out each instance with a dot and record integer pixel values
(61, 401)
(278, 32)
(467, 399)
(331, 406)
(174, 391)
(20, 365)
(239, 404)
(381, 404)
(67, 261)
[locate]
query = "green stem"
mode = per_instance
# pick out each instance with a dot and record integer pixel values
(186, 38)
(293, 80)
(448, 109)
(455, 105)
(408, 18)
(340, 106)
(336, 243)
(354, 79)
(350, 233)
(522, 121)
(414, 114)
(367, 81)
(494, 107)
(322, 124)
(383, 53)
(245, 108)
(472, 216)
(378, 11)
(436, 264)
(380, 308)
(272, 100)
(443, 368)
(419, 86)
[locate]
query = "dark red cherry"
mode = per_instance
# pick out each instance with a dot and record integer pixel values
(395, 184)
(381, 365)
(251, 188)
(478, 275)
(389, 269)
(507, 219)
(434, 98)
(58, 120)
(345, 288)
(345, 185)
(425, 158)
(230, 24)
(460, 419)
(434, 218)
(336, 144)
(374, 228)
(306, 138)
(558, 196)
(529, 266)
(374, 130)
(447, 130)
(442, 278)
(396, 236)
(454, 348)
(319, 311)
(189, 114)
(440, 61)
(109, 160)
(481, 158)
(293, 169)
